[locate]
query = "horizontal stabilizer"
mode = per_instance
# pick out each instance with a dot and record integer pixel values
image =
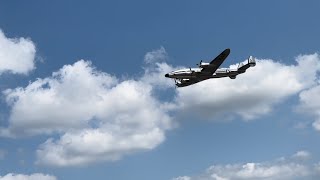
(250, 63)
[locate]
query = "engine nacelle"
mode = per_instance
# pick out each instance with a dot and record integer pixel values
(203, 64)
(222, 71)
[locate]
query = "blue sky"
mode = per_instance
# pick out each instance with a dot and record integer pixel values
(270, 112)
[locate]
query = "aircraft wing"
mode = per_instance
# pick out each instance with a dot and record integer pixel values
(216, 62)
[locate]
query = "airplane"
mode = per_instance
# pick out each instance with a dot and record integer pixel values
(186, 77)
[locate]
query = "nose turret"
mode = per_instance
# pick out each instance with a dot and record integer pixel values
(166, 75)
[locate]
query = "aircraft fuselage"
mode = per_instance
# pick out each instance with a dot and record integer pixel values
(196, 73)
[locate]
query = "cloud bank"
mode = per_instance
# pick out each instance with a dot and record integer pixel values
(17, 55)
(282, 168)
(81, 107)
(310, 104)
(253, 93)
(88, 108)
(36, 176)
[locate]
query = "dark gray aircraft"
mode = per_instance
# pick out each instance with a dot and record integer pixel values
(186, 77)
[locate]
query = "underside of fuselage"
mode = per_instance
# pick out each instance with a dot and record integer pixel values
(202, 75)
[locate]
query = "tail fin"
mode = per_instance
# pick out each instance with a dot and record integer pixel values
(251, 61)
(243, 67)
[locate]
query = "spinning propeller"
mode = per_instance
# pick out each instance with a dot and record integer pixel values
(199, 63)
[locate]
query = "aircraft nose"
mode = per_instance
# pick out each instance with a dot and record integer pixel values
(166, 75)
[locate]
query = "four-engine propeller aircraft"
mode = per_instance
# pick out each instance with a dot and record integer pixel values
(186, 77)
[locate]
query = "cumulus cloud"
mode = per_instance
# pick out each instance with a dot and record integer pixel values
(89, 109)
(302, 155)
(282, 168)
(84, 108)
(253, 93)
(17, 55)
(156, 67)
(68, 99)
(74, 149)
(154, 75)
(317, 168)
(310, 104)
(182, 178)
(36, 176)
(156, 56)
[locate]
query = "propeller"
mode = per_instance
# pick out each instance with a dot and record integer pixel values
(199, 63)
(176, 81)
(192, 71)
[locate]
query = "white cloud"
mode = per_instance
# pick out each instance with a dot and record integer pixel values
(302, 155)
(89, 109)
(277, 169)
(310, 104)
(182, 178)
(317, 168)
(67, 100)
(316, 124)
(154, 75)
(158, 55)
(76, 148)
(36, 176)
(155, 69)
(253, 93)
(258, 171)
(17, 55)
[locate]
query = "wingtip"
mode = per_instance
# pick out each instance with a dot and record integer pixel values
(227, 51)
